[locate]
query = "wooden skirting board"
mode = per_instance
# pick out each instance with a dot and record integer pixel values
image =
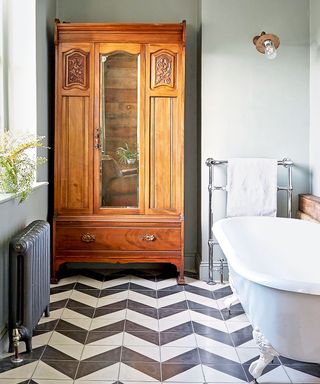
(309, 208)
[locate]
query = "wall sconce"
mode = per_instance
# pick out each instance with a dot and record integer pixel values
(267, 43)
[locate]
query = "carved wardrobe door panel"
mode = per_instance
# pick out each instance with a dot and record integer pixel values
(165, 92)
(73, 138)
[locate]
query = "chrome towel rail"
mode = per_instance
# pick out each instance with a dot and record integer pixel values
(211, 163)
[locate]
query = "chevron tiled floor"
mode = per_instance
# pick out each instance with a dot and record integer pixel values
(143, 328)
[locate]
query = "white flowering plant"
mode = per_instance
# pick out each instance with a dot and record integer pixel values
(18, 163)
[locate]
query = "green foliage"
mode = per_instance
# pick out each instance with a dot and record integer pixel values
(17, 165)
(126, 155)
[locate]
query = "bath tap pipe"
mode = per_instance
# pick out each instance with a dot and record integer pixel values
(16, 359)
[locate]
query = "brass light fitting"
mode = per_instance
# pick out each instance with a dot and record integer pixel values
(267, 43)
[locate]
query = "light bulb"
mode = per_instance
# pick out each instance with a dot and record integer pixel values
(270, 49)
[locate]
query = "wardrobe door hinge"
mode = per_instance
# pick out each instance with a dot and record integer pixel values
(97, 138)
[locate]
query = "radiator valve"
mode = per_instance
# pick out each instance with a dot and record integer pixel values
(16, 338)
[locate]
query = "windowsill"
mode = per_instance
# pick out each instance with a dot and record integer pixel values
(4, 197)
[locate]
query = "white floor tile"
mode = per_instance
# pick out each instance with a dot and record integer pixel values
(129, 373)
(112, 284)
(83, 298)
(143, 299)
(168, 353)
(206, 301)
(99, 323)
(93, 283)
(59, 338)
(114, 340)
(147, 284)
(187, 341)
(144, 320)
(44, 371)
(70, 314)
(174, 320)
(276, 376)
(151, 352)
(246, 354)
(301, 377)
(214, 376)
(129, 340)
(171, 299)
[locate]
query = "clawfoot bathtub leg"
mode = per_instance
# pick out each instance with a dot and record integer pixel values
(267, 353)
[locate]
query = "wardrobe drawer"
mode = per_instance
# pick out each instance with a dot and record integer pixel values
(118, 239)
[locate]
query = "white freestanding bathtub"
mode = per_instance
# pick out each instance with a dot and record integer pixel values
(274, 266)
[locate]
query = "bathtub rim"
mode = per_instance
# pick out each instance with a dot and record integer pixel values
(265, 279)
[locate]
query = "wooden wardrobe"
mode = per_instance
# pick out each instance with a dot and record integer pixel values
(119, 144)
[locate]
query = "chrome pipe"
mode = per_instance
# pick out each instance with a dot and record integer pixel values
(210, 163)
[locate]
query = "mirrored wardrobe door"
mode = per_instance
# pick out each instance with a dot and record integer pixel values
(119, 133)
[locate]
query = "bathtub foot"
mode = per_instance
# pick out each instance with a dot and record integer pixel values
(231, 300)
(267, 353)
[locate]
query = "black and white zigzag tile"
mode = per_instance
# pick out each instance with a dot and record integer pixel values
(141, 327)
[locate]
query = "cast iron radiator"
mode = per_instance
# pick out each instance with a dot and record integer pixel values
(29, 281)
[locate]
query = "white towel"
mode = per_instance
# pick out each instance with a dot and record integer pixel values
(252, 187)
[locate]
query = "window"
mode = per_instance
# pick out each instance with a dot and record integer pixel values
(18, 107)
(2, 85)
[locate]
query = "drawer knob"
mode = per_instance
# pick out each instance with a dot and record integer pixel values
(148, 237)
(88, 237)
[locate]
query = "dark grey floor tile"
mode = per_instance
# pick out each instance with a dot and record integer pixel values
(145, 310)
(46, 327)
(207, 357)
(77, 304)
(134, 305)
(79, 336)
(118, 305)
(198, 291)
(62, 288)
(171, 370)
(111, 356)
(130, 355)
(212, 333)
(150, 369)
(114, 327)
(190, 357)
(6, 364)
(151, 337)
(236, 310)
(165, 312)
(108, 292)
(94, 336)
(180, 305)
(52, 353)
(58, 304)
(68, 368)
(242, 335)
(212, 312)
(222, 292)
(193, 305)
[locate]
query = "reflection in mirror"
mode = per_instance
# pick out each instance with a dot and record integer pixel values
(119, 130)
